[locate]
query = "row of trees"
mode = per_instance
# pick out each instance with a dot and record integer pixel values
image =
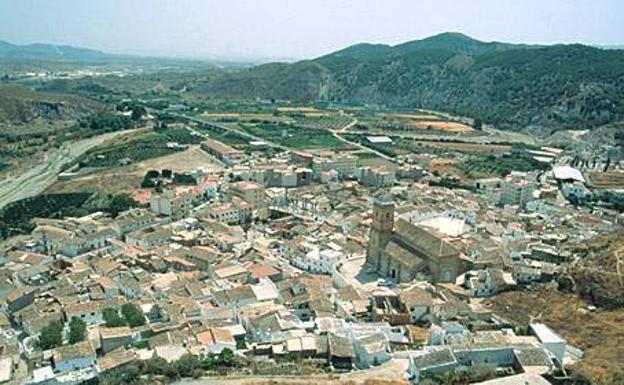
(187, 366)
(152, 178)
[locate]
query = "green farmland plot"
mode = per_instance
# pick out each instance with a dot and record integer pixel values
(294, 136)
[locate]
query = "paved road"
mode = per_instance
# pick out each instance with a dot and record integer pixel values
(44, 174)
(345, 130)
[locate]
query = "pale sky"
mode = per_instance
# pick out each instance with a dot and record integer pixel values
(270, 29)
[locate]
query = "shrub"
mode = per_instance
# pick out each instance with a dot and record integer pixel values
(77, 330)
(112, 318)
(133, 315)
(51, 336)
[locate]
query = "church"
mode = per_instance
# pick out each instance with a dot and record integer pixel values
(402, 251)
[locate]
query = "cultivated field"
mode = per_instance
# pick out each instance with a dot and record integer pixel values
(413, 116)
(610, 179)
(327, 122)
(467, 147)
(437, 125)
(294, 136)
(229, 116)
(297, 109)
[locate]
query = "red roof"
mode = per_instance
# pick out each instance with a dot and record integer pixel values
(205, 338)
(260, 271)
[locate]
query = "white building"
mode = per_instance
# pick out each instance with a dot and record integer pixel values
(433, 361)
(371, 350)
(516, 190)
(170, 203)
(318, 261)
(344, 164)
(88, 312)
(251, 192)
(376, 176)
(550, 340)
(234, 213)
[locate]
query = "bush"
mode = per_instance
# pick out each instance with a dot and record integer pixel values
(112, 318)
(226, 357)
(119, 203)
(241, 344)
(186, 365)
(77, 330)
(51, 336)
(184, 179)
(133, 315)
(141, 345)
(148, 183)
(155, 365)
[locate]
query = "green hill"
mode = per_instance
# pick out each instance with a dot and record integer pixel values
(515, 86)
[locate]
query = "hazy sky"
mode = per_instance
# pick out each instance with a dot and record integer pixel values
(299, 28)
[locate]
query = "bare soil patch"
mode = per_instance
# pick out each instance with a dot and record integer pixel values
(128, 178)
(438, 125)
(600, 334)
(414, 116)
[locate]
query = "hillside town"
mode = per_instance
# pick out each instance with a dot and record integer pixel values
(298, 262)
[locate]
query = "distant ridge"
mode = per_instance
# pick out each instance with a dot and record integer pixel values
(39, 51)
(455, 42)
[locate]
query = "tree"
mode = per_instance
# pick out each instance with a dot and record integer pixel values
(155, 313)
(51, 336)
(148, 183)
(478, 124)
(112, 318)
(129, 374)
(77, 330)
(133, 314)
(137, 113)
(119, 203)
(226, 357)
(186, 365)
(241, 344)
(184, 179)
(155, 365)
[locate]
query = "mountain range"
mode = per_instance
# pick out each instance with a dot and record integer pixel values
(534, 88)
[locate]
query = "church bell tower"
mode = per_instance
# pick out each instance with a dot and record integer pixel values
(381, 230)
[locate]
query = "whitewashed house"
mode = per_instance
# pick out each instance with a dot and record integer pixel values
(371, 350)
